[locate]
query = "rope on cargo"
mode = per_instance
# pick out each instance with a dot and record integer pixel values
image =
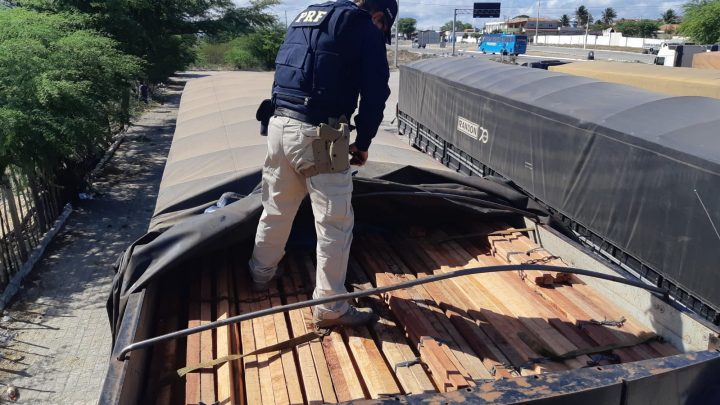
(288, 344)
(122, 355)
(606, 322)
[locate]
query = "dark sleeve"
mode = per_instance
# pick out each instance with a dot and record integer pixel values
(374, 91)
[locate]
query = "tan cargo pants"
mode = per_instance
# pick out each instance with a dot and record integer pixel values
(283, 189)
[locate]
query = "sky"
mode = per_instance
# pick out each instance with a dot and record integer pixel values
(431, 14)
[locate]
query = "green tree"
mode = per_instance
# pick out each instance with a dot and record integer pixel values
(256, 50)
(521, 16)
(164, 32)
(61, 87)
(642, 28)
(670, 17)
(583, 16)
(459, 26)
(407, 26)
(565, 20)
(701, 21)
(608, 16)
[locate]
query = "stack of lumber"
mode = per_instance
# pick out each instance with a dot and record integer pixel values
(436, 337)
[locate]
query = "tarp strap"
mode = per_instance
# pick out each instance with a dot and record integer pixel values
(288, 344)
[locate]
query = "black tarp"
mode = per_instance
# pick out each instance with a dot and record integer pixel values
(640, 169)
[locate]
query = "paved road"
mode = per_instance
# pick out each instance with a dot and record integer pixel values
(536, 53)
(55, 339)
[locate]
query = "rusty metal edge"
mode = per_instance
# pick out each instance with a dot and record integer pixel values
(689, 378)
(123, 383)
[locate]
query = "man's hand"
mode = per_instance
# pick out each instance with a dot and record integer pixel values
(358, 157)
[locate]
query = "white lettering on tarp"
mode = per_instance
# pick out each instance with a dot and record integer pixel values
(473, 130)
(301, 16)
(468, 127)
(484, 135)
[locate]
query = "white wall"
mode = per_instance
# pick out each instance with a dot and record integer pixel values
(614, 39)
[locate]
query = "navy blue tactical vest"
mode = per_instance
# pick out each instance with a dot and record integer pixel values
(314, 74)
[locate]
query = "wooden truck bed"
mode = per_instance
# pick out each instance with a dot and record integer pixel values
(436, 337)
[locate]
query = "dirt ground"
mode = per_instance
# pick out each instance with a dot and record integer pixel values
(55, 337)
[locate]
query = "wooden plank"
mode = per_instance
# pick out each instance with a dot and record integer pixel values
(274, 360)
(306, 363)
(483, 305)
(192, 380)
(416, 320)
(462, 350)
(329, 393)
(225, 377)
(557, 299)
(378, 378)
(569, 301)
(251, 372)
(396, 349)
(207, 375)
(533, 313)
(467, 359)
(238, 395)
(164, 386)
(263, 360)
(488, 341)
(292, 380)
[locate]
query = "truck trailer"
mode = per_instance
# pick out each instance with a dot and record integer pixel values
(488, 290)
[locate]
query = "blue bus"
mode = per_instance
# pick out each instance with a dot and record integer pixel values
(503, 43)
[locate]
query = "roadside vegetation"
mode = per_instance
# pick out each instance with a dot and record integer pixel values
(69, 69)
(69, 76)
(701, 21)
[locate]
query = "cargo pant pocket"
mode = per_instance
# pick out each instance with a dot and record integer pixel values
(331, 195)
(297, 145)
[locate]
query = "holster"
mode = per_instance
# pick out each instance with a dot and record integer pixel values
(331, 149)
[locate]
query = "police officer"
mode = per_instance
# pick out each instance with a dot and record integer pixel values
(333, 53)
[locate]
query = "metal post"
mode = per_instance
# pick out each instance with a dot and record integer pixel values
(453, 31)
(537, 24)
(397, 34)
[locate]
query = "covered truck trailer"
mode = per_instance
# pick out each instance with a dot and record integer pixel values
(527, 334)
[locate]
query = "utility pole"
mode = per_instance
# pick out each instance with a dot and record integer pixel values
(537, 23)
(453, 37)
(286, 24)
(587, 24)
(397, 34)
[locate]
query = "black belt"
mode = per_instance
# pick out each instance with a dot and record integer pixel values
(286, 112)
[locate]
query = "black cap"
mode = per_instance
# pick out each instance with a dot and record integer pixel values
(390, 9)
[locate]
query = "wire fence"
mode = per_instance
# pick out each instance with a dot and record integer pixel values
(28, 208)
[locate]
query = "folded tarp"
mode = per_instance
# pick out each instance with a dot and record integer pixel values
(639, 169)
(217, 149)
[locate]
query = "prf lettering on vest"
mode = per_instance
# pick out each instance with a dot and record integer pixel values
(319, 16)
(310, 16)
